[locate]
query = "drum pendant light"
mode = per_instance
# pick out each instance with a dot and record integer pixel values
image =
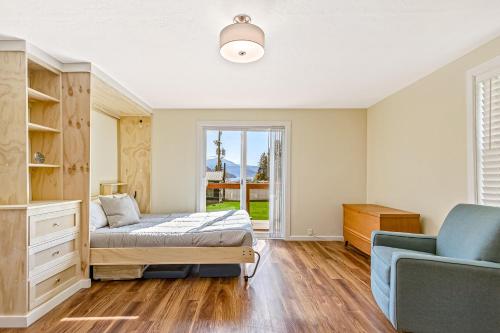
(242, 42)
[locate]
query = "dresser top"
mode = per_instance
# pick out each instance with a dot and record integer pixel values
(38, 204)
(379, 211)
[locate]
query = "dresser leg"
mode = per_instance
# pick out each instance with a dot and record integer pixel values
(346, 243)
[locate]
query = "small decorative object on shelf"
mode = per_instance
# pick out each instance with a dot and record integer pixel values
(39, 157)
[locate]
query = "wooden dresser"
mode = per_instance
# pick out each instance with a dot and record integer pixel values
(40, 263)
(361, 219)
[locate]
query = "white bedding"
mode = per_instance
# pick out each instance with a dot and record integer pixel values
(225, 228)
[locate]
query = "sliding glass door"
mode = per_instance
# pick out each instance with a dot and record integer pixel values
(243, 169)
(223, 170)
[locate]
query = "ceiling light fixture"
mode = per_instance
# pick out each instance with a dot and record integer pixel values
(242, 42)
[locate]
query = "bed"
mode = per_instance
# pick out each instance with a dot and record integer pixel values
(224, 237)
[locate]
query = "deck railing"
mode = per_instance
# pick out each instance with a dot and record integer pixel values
(237, 186)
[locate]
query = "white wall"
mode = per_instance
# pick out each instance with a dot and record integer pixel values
(328, 162)
(417, 142)
(103, 150)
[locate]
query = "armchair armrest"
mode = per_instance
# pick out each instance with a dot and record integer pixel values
(403, 240)
(441, 294)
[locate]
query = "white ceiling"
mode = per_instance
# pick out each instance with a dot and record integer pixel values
(319, 54)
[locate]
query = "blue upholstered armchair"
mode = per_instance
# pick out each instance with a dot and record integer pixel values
(448, 283)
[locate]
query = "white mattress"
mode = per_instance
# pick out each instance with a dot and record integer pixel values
(225, 228)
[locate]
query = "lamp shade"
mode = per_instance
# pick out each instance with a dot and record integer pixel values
(242, 42)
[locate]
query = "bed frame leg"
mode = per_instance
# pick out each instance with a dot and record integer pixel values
(255, 269)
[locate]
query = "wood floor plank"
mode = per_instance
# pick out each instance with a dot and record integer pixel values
(299, 287)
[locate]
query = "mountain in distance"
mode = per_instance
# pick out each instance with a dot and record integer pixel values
(233, 169)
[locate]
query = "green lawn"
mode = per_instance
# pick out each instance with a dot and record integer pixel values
(259, 210)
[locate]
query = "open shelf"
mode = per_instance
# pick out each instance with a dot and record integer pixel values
(108, 188)
(35, 95)
(40, 128)
(36, 65)
(113, 184)
(37, 165)
(44, 128)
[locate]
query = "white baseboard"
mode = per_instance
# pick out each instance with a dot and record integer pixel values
(34, 315)
(261, 234)
(318, 238)
(85, 283)
(13, 321)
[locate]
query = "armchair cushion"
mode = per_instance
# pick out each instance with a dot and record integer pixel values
(381, 259)
(403, 240)
(471, 232)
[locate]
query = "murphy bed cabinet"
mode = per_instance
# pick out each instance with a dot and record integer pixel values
(46, 107)
(41, 234)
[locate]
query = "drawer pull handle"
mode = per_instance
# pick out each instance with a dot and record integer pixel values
(56, 224)
(56, 253)
(58, 280)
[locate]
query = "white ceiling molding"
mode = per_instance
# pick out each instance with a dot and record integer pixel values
(12, 45)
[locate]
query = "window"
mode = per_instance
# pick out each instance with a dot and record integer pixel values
(487, 130)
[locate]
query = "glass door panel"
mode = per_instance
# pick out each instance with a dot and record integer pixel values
(257, 178)
(223, 170)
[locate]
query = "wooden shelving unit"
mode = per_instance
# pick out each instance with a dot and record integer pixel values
(42, 196)
(44, 132)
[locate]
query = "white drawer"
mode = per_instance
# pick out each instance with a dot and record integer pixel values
(48, 255)
(50, 283)
(48, 226)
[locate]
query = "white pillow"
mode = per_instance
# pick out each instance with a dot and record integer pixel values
(136, 205)
(119, 210)
(121, 195)
(98, 218)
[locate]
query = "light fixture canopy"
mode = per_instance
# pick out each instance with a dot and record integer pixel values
(242, 42)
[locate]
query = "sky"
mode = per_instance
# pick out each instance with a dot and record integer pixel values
(257, 143)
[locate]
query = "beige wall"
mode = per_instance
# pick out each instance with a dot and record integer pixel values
(103, 150)
(417, 142)
(335, 140)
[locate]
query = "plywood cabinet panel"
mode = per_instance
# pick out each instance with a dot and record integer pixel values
(76, 151)
(134, 143)
(110, 101)
(13, 138)
(13, 261)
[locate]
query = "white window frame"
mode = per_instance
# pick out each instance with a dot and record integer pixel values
(472, 77)
(202, 126)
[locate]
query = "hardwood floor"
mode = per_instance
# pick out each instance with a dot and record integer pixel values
(300, 287)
